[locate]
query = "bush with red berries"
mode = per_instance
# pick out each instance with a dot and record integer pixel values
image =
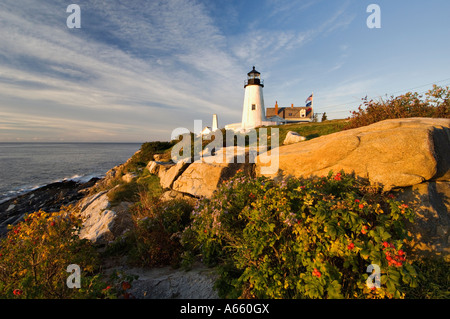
(303, 238)
(435, 104)
(36, 252)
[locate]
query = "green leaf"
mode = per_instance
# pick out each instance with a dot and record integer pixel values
(394, 275)
(334, 290)
(385, 235)
(390, 286)
(364, 253)
(383, 279)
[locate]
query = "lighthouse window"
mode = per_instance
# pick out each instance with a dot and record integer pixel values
(253, 107)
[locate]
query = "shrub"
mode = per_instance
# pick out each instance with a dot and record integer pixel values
(36, 252)
(124, 192)
(435, 104)
(155, 239)
(434, 274)
(146, 153)
(147, 150)
(130, 191)
(302, 238)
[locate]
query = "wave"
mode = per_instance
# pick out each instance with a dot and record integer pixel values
(29, 188)
(81, 178)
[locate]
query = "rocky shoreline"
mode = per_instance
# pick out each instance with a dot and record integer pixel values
(409, 157)
(48, 198)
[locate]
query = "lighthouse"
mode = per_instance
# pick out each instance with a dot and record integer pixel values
(253, 113)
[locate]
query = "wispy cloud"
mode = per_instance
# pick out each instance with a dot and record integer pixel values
(336, 100)
(151, 57)
(138, 69)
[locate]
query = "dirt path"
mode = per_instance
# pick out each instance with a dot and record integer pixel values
(169, 283)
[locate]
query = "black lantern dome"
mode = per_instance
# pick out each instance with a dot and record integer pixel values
(254, 78)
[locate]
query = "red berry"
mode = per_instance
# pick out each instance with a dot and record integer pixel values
(126, 285)
(316, 273)
(17, 292)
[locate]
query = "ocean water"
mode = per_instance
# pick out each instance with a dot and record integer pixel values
(27, 166)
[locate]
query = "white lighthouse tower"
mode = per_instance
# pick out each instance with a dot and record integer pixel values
(253, 113)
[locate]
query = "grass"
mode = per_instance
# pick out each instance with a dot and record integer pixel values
(130, 191)
(146, 153)
(155, 238)
(136, 165)
(434, 280)
(311, 130)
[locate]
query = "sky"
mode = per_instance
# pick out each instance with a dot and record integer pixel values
(136, 70)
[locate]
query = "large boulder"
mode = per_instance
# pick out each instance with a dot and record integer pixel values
(293, 137)
(430, 230)
(392, 153)
(128, 177)
(169, 176)
(202, 179)
(153, 167)
(156, 167)
(115, 173)
(171, 195)
(169, 283)
(101, 222)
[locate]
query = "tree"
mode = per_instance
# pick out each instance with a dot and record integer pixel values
(435, 103)
(315, 116)
(324, 117)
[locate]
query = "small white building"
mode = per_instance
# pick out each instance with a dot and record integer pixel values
(207, 130)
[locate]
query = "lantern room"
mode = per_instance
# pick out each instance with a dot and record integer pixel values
(254, 78)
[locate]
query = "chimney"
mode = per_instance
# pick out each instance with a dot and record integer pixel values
(276, 107)
(292, 105)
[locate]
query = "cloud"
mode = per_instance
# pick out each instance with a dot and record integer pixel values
(156, 59)
(268, 45)
(138, 69)
(338, 99)
(285, 8)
